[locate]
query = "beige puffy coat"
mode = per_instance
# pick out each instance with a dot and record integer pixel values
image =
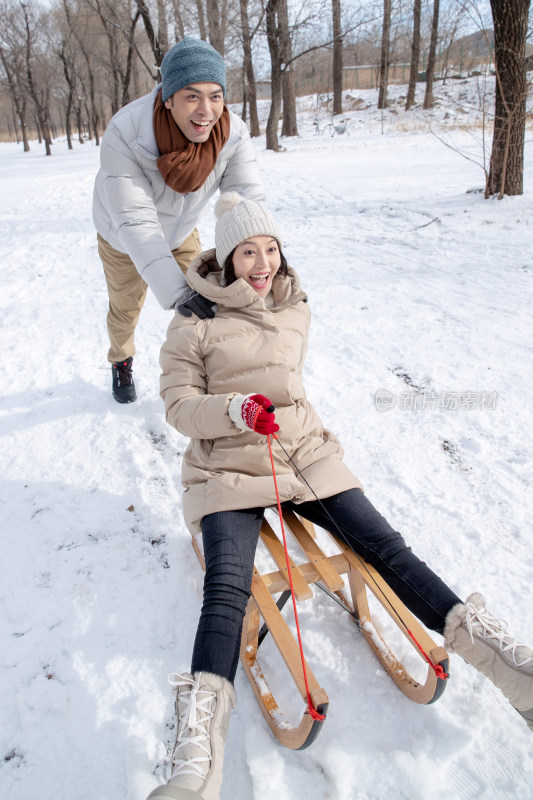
(247, 348)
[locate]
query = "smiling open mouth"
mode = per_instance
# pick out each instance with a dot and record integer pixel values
(259, 280)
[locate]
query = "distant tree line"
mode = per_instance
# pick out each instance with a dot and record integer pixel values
(67, 67)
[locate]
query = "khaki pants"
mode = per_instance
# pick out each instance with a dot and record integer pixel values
(127, 290)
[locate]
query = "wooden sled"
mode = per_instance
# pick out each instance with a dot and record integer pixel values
(263, 616)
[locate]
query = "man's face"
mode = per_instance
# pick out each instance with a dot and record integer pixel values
(196, 108)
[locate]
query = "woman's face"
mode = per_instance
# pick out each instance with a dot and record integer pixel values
(257, 260)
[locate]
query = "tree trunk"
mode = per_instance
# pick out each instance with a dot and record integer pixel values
(40, 97)
(150, 32)
(248, 69)
(70, 96)
(129, 61)
(114, 61)
(79, 124)
(179, 27)
(272, 8)
(415, 54)
(385, 46)
(244, 111)
(94, 120)
(289, 126)
(506, 173)
(13, 132)
(430, 69)
(23, 126)
(337, 56)
(68, 125)
(215, 22)
(201, 20)
(19, 101)
(451, 37)
(162, 25)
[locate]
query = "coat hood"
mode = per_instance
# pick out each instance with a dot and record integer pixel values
(205, 277)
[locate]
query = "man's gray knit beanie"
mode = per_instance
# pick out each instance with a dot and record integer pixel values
(237, 220)
(191, 61)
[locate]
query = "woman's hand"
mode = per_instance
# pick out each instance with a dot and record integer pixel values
(255, 412)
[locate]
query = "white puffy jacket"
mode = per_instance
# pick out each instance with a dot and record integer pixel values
(138, 214)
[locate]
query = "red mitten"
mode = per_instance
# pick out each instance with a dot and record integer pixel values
(258, 414)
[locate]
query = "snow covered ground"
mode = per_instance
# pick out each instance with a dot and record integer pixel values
(420, 359)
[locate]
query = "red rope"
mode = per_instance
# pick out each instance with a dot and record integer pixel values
(437, 669)
(313, 712)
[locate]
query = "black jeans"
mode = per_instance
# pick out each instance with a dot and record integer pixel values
(230, 540)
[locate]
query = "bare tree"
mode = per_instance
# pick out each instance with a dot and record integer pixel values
(289, 125)
(129, 59)
(507, 157)
(248, 68)
(18, 97)
(281, 60)
(119, 21)
(79, 20)
(179, 27)
(71, 90)
(430, 68)
(12, 59)
(415, 54)
(385, 52)
(272, 31)
(276, 29)
(38, 85)
(449, 32)
(216, 21)
(162, 25)
(337, 55)
(201, 20)
(112, 33)
(153, 37)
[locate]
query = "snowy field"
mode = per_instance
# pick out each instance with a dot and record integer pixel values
(420, 359)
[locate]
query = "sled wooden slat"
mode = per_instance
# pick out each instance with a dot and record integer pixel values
(276, 582)
(295, 738)
(363, 577)
(282, 636)
(316, 557)
(309, 527)
(302, 590)
(199, 552)
(263, 614)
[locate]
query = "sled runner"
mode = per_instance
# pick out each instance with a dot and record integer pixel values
(263, 617)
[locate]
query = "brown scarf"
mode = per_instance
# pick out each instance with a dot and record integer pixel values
(183, 164)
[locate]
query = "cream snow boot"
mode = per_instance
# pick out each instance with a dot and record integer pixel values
(203, 707)
(483, 641)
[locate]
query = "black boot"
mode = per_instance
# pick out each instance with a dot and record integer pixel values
(123, 386)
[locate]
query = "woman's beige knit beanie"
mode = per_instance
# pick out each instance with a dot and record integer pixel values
(237, 220)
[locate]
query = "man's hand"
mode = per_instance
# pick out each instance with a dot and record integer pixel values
(193, 303)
